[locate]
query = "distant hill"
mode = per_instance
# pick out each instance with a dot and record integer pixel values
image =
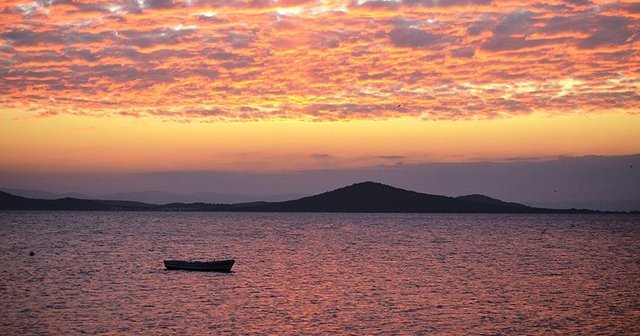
(378, 197)
(12, 202)
(158, 197)
(38, 194)
(360, 197)
(605, 205)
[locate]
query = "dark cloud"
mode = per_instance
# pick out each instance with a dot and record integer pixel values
(31, 38)
(222, 55)
(379, 75)
(40, 56)
(479, 26)
(87, 7)
(256, 4)
(633, 8)
(240, 40)
(84, 77)
(28, 38)
(210, 19)
(513, 30)
(235, 113)
(413, 38)
(338, 111)
(168, 36)
(446, 3)
(131, 6)
(206, 112)
(506, 43)
(159, 4)
(464, 52)
(579, 2)
(582, 23)
(622, 99)
(618, 56)
(612, 30)
(205, 71)
(400, 21)
(377, 4)
(121, 73)
(603, 30)
(230, 60)
(385, 4)
(83, 54)
(512, 105)
(142, 58)
(516, 23)
(240, 62)
(293, 3)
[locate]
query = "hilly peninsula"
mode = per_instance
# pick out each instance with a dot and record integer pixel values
(364, 197)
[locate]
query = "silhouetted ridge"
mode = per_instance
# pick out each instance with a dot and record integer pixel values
(12, 202)
(360, 197)
(378, 197)
(489, 200)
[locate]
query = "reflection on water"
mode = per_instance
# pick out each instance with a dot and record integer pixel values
(96, 272)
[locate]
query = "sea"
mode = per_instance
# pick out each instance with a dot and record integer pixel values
(319, 274)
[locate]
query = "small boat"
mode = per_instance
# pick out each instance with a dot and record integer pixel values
(206, 266)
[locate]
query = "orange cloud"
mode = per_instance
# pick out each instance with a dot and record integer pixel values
(215, 60)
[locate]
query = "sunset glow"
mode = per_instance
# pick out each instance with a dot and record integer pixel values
(294, 84)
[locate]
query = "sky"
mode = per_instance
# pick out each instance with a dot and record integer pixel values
(265, 86)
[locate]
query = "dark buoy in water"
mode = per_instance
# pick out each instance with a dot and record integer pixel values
(32, 253)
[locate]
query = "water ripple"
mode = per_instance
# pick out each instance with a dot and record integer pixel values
(102, 273)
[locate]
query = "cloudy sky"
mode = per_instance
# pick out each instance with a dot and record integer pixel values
(292, 85)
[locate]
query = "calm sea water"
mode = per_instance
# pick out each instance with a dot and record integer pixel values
(102, 273)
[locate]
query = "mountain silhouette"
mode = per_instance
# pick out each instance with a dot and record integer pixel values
(378, 197)
(13, 202)
(370, 197)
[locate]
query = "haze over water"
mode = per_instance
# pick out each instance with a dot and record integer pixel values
(102, 272)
